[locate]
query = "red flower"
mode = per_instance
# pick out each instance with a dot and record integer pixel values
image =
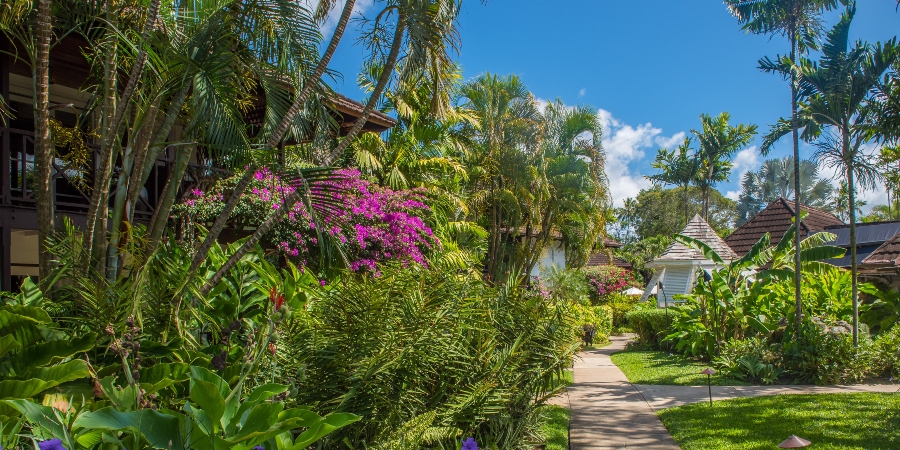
(276, 298)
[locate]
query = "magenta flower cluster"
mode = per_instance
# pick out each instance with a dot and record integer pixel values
(607, 280)
(371, 223)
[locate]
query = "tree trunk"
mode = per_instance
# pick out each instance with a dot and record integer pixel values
(383, 80)
(797, 200)
(164, 207)
(854, 290)
(219, 224)
(98, 209)
(43, 146)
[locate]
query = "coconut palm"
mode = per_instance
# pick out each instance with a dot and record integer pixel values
(679, 167)
(836, 115)
(775, 179)
(799, 21)
(717, 143)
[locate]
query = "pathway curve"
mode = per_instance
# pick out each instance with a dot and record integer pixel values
(608, 412)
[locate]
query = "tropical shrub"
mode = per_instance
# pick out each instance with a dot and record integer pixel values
(649, 324)
(886, 354)
(366, 222)
(753, 359)
(598, 316)
(620, 305)
(608, 280)
(449, 353)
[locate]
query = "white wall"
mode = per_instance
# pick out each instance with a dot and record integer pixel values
(555, 255)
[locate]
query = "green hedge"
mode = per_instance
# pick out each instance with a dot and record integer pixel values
(600, 316)
(650, 325)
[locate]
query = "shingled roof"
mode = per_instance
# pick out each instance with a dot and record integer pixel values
(888, 254)
(698, 229)
(776, 219)
(602, 259)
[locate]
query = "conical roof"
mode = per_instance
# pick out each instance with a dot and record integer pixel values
(698, 229)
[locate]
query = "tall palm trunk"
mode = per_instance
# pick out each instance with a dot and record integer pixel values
(383, 80)
(851, 193)
(96, 219)
(292, 199)
(43, 147)
(173, 182)
(798, 314)
(274, 139)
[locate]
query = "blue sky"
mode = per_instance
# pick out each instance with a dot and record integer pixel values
(650, 68)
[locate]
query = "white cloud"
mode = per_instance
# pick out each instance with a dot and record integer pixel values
(745, 160)
(541, 104)
(328, 26)
(582, 92)
(872, 197)
(734, 195)
(625, 144)
(670, 142)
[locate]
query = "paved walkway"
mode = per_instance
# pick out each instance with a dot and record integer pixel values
(608, 412)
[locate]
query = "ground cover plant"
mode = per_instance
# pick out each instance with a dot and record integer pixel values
(658, 367)
(830, 421)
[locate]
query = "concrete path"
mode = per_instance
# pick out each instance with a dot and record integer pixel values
(608, 412)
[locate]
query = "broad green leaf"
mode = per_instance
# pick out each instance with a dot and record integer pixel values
(316, 432)
(159, 430)
(24, 388)
(44, 353)
(62, 373)
(821, 252)
(7, 344)
(42, 416)
(260, 418)
(32, 313)
(207, 396)
(757, 325)
(161, 376)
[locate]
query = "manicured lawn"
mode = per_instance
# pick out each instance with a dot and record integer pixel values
(830, 421)
(555, 429)
(654, 367)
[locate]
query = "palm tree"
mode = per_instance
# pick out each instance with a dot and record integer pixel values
(836, 115)
(718, 142)
(679, 167)
(775, 179)
(505, 133)
(799, 20)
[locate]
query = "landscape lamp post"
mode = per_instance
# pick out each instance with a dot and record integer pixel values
(794, 442)
(709, 373)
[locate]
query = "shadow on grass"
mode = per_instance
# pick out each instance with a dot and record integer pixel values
(830, 421)
(656, 367)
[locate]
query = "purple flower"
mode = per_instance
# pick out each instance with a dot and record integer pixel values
(469, 444)
(259, 447)
(321, 282)
(52, 444)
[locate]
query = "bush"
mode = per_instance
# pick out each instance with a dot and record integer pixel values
(620, 305)
(825, 354)
(886, 354)
(650, 325)
(419, 344)
(598, 316)
(608, 280)
(752, 359)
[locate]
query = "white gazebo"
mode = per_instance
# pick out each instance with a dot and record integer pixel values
(676, 270)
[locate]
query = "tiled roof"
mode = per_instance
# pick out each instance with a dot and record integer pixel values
(348, 105)
(776, 219)
(887, 254)
(698, 229)
(602, 259)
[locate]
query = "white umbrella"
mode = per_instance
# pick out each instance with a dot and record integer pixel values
(633, 291)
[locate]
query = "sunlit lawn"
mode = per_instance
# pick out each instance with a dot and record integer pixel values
(655, 367)
(830, 421)
(555, 429)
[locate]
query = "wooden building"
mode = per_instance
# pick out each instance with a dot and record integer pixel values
(69, 74)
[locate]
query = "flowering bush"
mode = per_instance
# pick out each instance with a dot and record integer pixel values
(606, 280)
(372, 223)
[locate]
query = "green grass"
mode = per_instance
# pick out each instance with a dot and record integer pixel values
(555, 428)
(654, 367)
(830, 421)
